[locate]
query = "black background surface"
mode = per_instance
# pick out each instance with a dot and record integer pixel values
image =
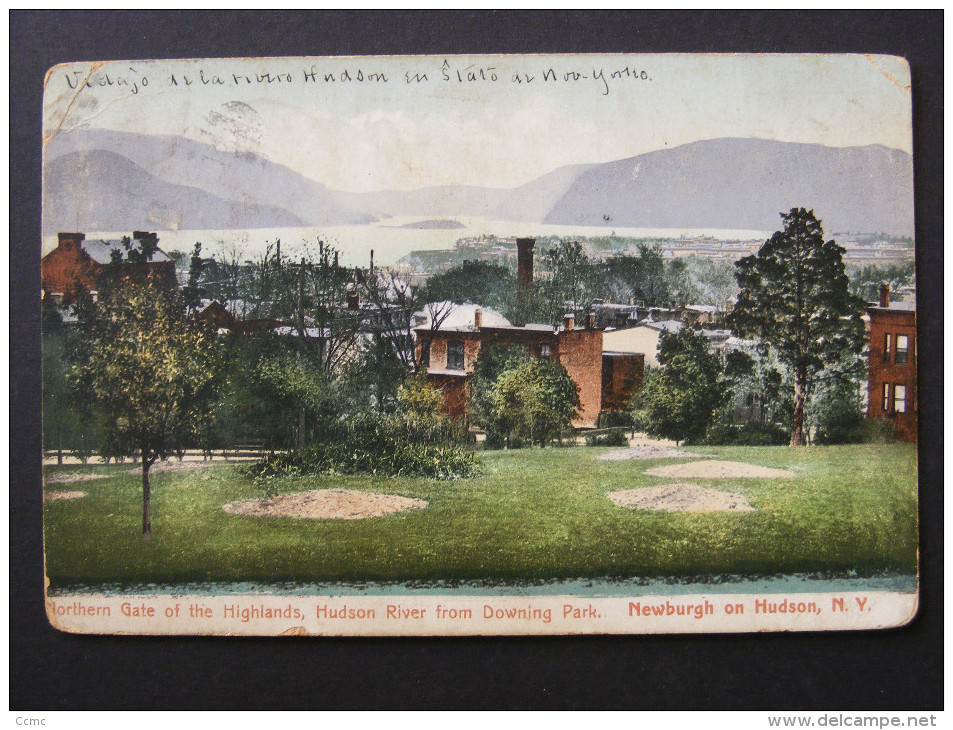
(898, 669)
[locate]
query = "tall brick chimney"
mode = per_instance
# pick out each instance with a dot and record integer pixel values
(884, 295)
(590, 321)
(145, 236)
(478, 319)
(71, 241)
(569, 322)
(524, 260)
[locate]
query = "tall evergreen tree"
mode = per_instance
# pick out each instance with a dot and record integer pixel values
(794, 296)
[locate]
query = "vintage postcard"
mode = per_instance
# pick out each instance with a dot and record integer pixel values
(448, 345)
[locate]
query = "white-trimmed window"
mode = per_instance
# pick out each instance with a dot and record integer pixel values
(885, 402)
(899, 396)
(903, 346)
(887, 343)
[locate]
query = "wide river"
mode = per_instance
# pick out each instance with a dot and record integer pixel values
(390, 240)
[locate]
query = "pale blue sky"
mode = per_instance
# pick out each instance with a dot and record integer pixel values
(371, 135)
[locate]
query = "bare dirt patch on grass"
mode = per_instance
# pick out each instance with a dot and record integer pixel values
(70, 478)
(645, 451)
(58, 494)
(682, 497)
(325, 504)
(161, 467)
(719, 470)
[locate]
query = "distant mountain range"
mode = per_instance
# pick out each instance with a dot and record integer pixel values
(114, 181)
(118, 175)
(745, 183)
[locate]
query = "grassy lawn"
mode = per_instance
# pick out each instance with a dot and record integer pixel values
(533, 514)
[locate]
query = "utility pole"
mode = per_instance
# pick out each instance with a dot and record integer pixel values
(301, 410)
(301, 297)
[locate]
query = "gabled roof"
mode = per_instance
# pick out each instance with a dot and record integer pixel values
(668, 325)
(101, 251)
(703, 308)
(459, 317)
(894, 307)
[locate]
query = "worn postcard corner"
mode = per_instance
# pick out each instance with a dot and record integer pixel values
(455, 345)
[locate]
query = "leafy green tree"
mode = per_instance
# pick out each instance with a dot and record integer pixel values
(643, 278)
(479, 282)
(145, 372)
(566, 288)
(652, 286)
(300, 395)
(222, 276)
(63, 428)
(837, 412)
(680, 284)
(418, 397)
(682, 396)
(312, 296)
(192, 292)
(865, 281)
(533, 402)
(701, 280)
(395, 303)
(492, 361)
(794, 296)
(381, 370)
(619, 278)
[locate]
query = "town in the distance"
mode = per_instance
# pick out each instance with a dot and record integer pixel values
(599, 306)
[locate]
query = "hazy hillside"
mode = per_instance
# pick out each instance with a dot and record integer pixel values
(242, 178)
(744, 183)
(103, 191)
(530, 202)
(719, 183)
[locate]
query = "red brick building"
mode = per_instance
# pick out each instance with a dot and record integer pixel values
(622, 374)
(605, 380)
(892, 374)
(77, 264)
(217, 315)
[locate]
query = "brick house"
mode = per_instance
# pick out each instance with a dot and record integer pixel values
(449, 350)
(892, 371)
(77, 264)
(622, 374)
(450, 354)
(218, 316)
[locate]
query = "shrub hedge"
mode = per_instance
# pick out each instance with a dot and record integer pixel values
(387, 444)
(751, 434)
(610, 438)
